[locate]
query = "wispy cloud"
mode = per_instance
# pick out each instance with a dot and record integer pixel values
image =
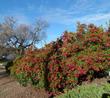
(22, 19)
(74, 10)
(31, 7)
(67, 17)
(81, 10)
(95, 17)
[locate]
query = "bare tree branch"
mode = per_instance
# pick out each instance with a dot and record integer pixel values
(21, 36)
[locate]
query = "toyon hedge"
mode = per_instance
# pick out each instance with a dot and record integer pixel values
(67, 62)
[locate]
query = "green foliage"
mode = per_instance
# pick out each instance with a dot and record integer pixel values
(29, 69)
(67, 62)
(87, 91)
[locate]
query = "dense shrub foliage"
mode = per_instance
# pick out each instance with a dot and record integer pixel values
(30, 68)
(73, 58)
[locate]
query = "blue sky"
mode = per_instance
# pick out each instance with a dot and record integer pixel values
(61, 14)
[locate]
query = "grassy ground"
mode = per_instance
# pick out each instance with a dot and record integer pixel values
(94, 90)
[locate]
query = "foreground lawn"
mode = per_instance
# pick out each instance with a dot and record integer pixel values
(88, 91)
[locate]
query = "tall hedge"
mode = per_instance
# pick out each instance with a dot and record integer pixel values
(67, 62)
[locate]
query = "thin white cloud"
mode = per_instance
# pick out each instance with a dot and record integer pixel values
(96, 17)
(80, 10)
(31, 7)
(68, 17)
(22, 19)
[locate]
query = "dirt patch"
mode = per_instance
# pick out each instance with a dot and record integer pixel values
(9, 88)
(98, 81)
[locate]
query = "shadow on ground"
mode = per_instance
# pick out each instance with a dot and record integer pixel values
(4, 77)
(3, 74)
(106, 95)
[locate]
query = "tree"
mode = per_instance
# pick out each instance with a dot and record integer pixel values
(21, 36)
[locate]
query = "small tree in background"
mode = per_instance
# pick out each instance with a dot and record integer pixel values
(21, 36)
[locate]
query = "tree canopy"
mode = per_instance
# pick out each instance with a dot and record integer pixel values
(21, 36)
